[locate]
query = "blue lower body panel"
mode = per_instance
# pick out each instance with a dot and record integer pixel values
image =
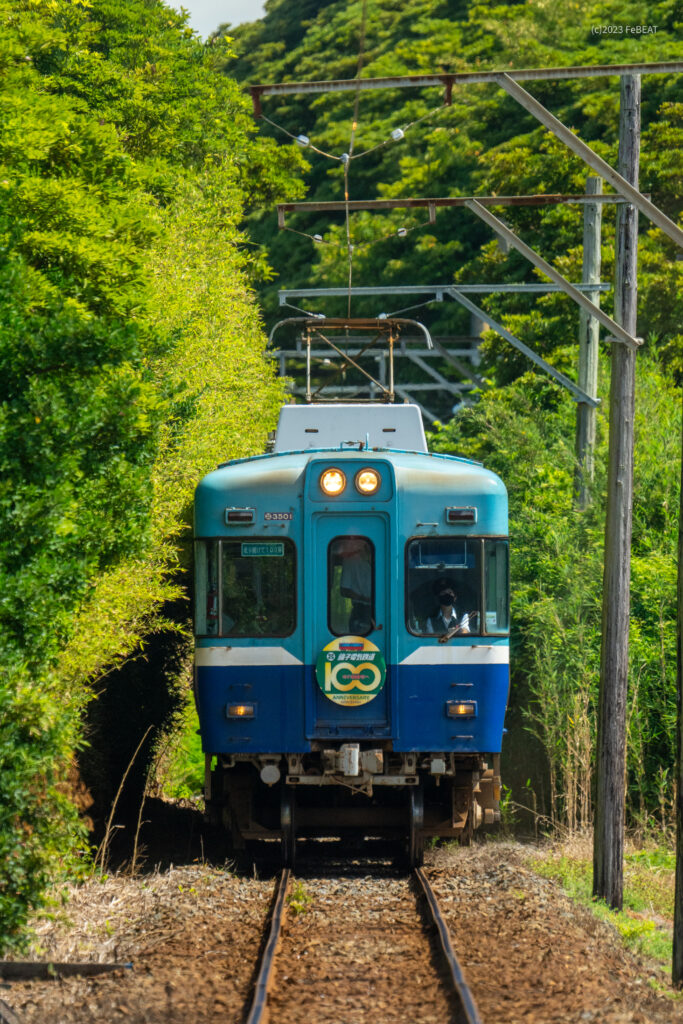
(328, 720)
(276, 691)
(425, 690)
(291, 710)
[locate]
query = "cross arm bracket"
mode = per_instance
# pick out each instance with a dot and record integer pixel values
(502, 229)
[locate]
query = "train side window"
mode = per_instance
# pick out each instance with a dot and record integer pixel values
(206, 587)
(258, 582)
(443, 585)
(496, 562)
(351, 586)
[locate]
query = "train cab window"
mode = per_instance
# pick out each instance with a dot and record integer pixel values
(351, 586)
(496, 564)
(245, 588)
(443, 585)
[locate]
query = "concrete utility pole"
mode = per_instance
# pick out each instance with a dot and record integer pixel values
(608, 841)
(589, 332)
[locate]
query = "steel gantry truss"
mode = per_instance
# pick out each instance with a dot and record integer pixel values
(509, 81)
(478, 205)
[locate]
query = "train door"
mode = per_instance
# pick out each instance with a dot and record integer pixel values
(347, 597)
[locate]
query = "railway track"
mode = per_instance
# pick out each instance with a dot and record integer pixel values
(317, 966)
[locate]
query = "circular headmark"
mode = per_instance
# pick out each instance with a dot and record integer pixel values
(350, 670)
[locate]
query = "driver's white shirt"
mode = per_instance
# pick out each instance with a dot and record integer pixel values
(442, 623)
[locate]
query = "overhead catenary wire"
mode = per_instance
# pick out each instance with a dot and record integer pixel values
(406, 309)
(297, 138)
(401, 232)
(397, 135)
(307, 312)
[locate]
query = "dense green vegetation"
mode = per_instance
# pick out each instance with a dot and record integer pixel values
(131, 360)
(483, 143)
(523, 425)
(131, 348)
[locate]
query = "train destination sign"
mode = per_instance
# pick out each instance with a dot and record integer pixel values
(350, 670)
(275, 549)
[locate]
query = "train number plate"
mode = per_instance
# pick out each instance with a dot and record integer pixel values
(278, 517)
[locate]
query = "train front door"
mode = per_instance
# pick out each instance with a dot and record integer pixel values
(348, 641)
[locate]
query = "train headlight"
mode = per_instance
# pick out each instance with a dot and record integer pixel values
(240, 710)
(333, 481)
(461, 708)
(367, 481)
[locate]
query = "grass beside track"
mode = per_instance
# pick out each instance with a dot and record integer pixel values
(646, 922)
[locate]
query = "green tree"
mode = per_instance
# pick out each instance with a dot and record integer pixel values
(131, 360)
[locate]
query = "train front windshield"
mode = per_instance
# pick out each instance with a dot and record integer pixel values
(245, 588)
(457, 584)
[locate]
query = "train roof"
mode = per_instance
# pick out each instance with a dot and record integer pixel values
(414, 467)
(301, 427)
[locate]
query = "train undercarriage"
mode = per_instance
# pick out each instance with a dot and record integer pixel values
(351, 792)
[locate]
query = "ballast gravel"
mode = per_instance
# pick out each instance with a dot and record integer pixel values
(530, 954)
(192, 935)
(359, 952)
(353, 954)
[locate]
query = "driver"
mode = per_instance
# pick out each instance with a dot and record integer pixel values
(447, 617)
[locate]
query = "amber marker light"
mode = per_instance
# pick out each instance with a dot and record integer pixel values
(333, 482)
(241, 710)
(367, 481)
(461, 708)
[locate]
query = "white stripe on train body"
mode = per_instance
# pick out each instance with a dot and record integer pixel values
(226, 657)
(474, 654)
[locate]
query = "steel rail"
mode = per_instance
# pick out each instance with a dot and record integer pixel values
(466, 1011)
(258, 1013)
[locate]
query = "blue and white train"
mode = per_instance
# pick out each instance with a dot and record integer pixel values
(352, 623)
